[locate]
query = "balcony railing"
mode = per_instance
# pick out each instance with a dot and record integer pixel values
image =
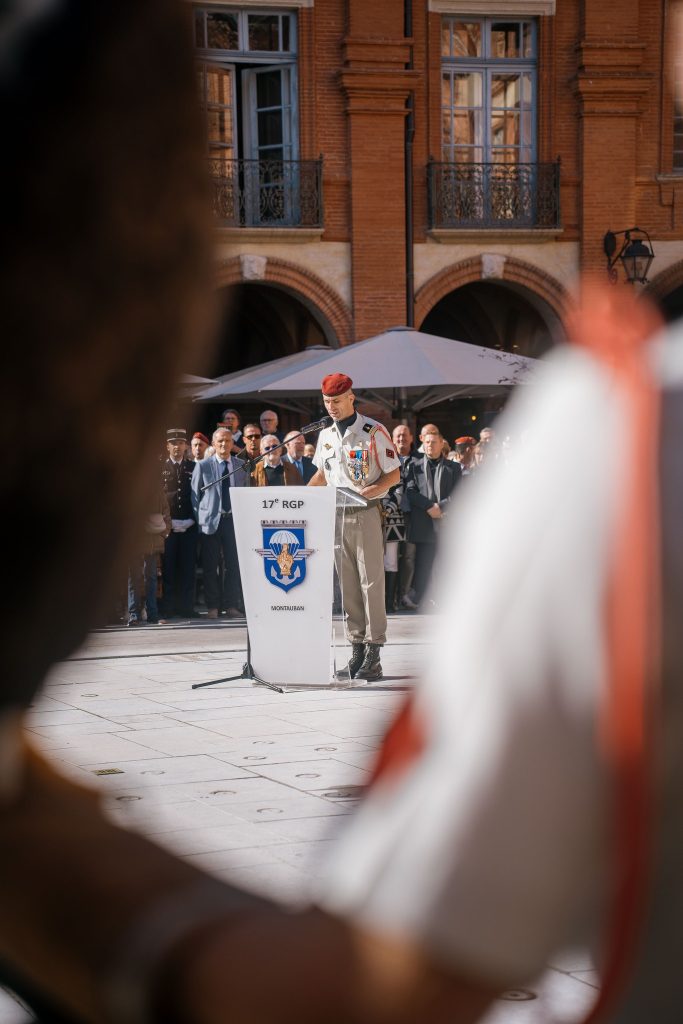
(268, 193)
(463, 195)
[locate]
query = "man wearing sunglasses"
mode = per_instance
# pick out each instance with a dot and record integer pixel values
(272, 471)
(251, 436)
(251, 439)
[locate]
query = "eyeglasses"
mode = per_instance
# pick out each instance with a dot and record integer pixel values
(271, 447)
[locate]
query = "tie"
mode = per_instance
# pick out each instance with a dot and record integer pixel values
(433, 477)
(225, 487)
(300, 466)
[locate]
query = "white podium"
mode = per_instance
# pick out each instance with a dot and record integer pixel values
(285, 545)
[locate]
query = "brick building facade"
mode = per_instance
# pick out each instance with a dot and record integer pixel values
(529, 129)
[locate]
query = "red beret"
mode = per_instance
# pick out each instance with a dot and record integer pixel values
(465, 440)
(202, 437)
(336, 384)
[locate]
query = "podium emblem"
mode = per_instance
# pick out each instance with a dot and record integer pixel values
(284, 552)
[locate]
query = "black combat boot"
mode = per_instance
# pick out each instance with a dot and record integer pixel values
(355, 662)
(371, 668)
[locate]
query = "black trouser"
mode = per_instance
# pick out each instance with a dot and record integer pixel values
(424, 562)
(406, 568)
(222, 587)
(178, 575)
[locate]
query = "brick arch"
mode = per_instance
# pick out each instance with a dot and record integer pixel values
(323, 301)
(666, 282)
(515, 271)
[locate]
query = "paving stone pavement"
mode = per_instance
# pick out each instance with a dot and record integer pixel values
(250, 784)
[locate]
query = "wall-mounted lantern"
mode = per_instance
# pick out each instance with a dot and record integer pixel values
(636, 254)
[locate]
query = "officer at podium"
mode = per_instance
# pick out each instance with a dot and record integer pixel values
(358, 453)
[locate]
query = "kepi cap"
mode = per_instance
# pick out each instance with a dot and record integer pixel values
(176, 434)
(336, 384)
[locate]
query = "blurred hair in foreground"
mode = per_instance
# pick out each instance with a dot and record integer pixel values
(105, 287)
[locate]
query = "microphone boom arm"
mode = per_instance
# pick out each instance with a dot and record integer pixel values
(248, 464)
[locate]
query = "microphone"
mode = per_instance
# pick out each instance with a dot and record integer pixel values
(318, 425)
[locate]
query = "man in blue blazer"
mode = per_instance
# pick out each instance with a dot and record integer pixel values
(212, 509)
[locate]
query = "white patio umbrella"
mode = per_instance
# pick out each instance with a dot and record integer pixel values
(190, 384)
(251, 382)
(402, 362)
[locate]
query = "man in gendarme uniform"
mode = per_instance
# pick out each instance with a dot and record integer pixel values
(357, 452)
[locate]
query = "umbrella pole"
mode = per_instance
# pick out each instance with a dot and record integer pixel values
(401, 409)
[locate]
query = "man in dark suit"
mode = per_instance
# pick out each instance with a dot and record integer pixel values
(211, 504)
(294, 446)
(403, 560)
(430, 482)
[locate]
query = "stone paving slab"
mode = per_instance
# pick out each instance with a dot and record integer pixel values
(261, 752)
(247, 783)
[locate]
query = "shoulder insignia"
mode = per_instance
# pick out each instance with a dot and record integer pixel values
(326, 445)
(369, 427)
(391, 454)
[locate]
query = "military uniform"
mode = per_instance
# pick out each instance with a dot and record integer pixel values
(181, 545)
(355, 459)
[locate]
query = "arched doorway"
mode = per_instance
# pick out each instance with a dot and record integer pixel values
(666, 291)
(500, 314)
(261, 322)
(671, 305)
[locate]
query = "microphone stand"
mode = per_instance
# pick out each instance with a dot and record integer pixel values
(247, 668)
(249, 464)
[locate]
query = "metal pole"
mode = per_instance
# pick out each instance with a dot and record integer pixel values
(408, 172)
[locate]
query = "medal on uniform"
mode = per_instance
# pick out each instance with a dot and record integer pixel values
(359, 463)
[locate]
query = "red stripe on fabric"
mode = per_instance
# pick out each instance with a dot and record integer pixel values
(614, 325)
(402, 745)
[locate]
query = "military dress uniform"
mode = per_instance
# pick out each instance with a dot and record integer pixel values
(355, 459)
(181, 544)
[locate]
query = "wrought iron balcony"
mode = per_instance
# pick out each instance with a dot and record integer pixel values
(268, 193)
(463, 195)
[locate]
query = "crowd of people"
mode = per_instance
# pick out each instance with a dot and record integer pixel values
(190, 526)
(413, 510)
(527, 797)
